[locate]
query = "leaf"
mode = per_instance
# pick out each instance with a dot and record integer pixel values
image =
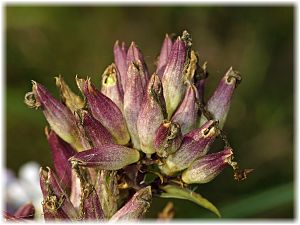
(172, 191)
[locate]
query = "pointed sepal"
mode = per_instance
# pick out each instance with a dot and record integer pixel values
(107, 157)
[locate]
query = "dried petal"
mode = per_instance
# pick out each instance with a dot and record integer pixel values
(173, 78)
(136, 207)
(60, 118)
(206, 168)
(164, 55)
(107, 113)
(187, 112)
(120, 56)
(56, 204)
(200, 76)
(108, 192)
(52, 212)
(193, 146)
(80, 83)
(72, 101)
(135, 55)
(95, 130)
(25, 211)
(133, 100)
(151, 115)
(219, 103)
(75, 190)
(111, 85)
(107, 157)
(191, 65)
(61, 152)
(168, 138)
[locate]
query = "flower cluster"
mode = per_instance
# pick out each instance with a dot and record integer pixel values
(137, 136)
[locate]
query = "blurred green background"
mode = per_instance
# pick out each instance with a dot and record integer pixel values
(45, 41)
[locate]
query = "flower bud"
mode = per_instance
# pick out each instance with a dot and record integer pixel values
(56, 204)
(133, 100)
(95, 130)
(135, 55)
(164, 55)
(173, 77)
(72, 101)
(120, 56)
(187, 112)
(108, 192)
(111, 85)
(206, 168)
(60, 118)
(136, 207)
(167, 139)
(219, 103)
(151, 115)
(61, 152)
(107, 157)
(25, 211)
(107, 113)
(192, 147)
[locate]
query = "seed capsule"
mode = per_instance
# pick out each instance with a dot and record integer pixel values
(164, 55)
(56, 204)
(108, 192)
(134, 55)
(219, 103)
(120, 55)
(192, 147)
(136, 207)
(111, 85)
(173, 77)
(186, 114)
(133, 100)
(151, 115)
(206, 168)
(60, 118)
(168, 138)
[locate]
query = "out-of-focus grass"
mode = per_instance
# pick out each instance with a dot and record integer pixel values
(42, 42)
(259, 204)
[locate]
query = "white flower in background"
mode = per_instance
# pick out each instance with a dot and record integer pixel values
(23, 189)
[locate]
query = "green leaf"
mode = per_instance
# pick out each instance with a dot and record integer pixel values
(172, 191)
